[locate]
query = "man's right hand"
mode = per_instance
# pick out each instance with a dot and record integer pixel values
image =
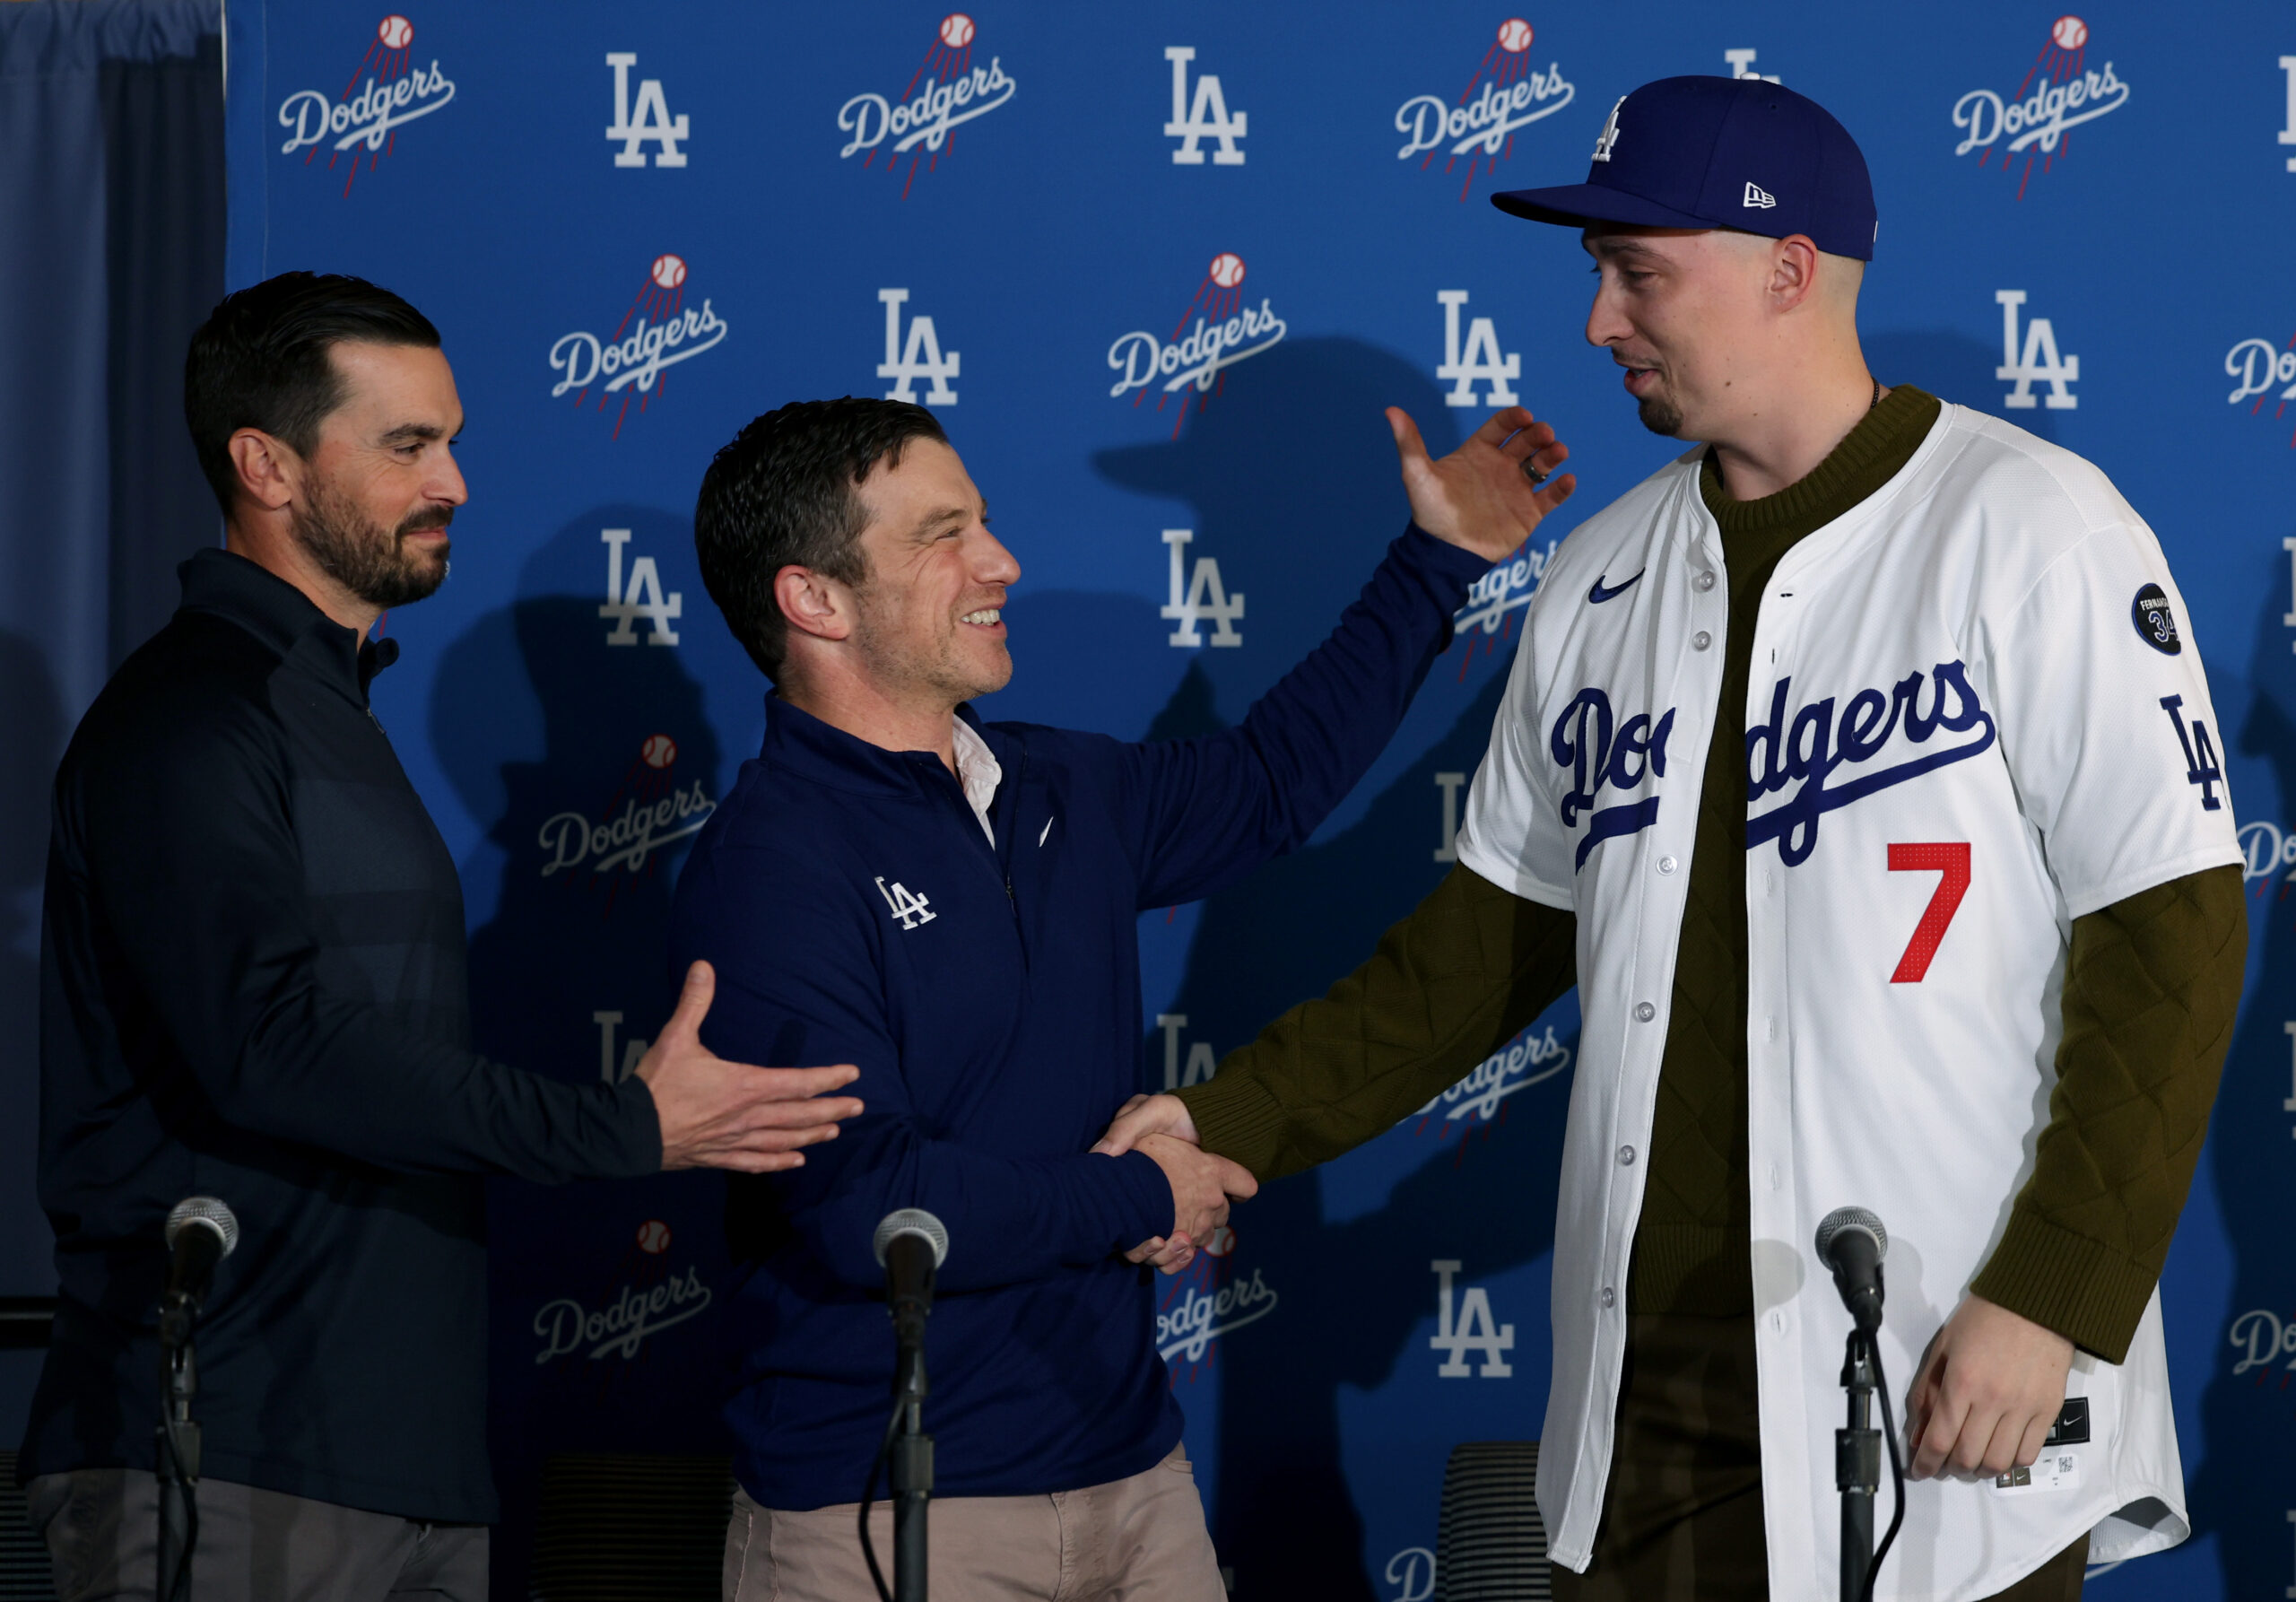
(720, 1114)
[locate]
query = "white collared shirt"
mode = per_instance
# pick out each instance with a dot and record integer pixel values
(978, 772)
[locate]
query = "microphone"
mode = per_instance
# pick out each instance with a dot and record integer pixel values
(1852, 1242)
(201, 1233)
(910, 1244)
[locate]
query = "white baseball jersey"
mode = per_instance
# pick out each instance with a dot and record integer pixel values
(1972, 718)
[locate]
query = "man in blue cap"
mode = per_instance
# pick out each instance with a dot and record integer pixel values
(1853, 640)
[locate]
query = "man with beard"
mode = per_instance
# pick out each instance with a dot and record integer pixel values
(253, 985)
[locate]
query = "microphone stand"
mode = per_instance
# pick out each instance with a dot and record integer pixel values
(1857, 1466)
(911, 1468)
(178, 1453)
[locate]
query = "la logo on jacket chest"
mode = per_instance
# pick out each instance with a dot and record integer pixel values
(909, 910)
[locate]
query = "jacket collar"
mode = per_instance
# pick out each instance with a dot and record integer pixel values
(798, 742)
(281, 616)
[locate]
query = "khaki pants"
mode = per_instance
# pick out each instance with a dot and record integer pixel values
(102, 1530)
(1136, 1540)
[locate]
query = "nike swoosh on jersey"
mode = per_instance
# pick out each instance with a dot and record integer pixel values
(1598, 595)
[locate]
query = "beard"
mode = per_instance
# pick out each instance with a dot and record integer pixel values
(365, 558)
(1660, 414)
(900, 659)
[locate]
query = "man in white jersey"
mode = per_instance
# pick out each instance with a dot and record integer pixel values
(1856, 767)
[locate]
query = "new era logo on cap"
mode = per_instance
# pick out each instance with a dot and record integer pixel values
(1684, 137)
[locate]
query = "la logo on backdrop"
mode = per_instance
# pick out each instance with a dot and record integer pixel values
(946, 90)
(2059, 91)
(1505, 95)
(1194, 361)
(367, 119)
(658, 331)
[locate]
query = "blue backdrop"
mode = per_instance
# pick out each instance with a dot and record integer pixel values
(1156, 270)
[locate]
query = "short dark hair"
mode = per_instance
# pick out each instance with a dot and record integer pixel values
(261, 361)
(781, 494)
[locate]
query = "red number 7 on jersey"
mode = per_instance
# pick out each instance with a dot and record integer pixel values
(1952, 860)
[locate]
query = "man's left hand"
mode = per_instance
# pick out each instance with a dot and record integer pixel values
(1990, 1386)
(1479, 497)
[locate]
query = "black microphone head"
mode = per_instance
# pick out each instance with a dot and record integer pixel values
(912, 1221)
(207, 1212)
(1851, 1218)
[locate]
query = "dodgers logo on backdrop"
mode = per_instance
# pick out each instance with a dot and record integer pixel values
(1195, 359)
(2256, 367)
(366, 117)
(1505, 95)
(1207, 1301)
(2268, 849)
(945, 92)
(647, 811)
(1531, 1058)
(649, 1299)
(2059, 91)
(658, 331)
(1807, 752)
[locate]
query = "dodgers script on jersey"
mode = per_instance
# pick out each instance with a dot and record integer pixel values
(1972, 718)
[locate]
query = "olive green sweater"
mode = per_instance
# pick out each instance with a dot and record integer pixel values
(2149, 991)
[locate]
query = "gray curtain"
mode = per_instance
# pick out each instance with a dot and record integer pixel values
(111, 251)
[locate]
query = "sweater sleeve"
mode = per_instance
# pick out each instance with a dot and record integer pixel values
(1469, 970)
(1201, 813)
(191, 860)
(2149, 992)
(799, 981)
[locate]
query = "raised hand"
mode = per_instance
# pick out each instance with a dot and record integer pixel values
(1479, 498)
(720, 1114)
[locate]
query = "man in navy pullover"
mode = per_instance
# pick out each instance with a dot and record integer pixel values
(952, 906)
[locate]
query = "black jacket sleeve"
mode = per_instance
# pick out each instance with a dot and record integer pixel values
(184, 841)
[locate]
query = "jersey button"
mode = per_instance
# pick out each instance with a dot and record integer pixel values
(1666, 864)
(1610, 1297)
(1645, 1011)
(1626, 1156)
(1700, 641)
(1704, 581)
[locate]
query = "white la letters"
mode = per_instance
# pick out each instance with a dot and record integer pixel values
(1201, 1064)
(920, 359)
(1207, 118)
(1481, 365)
(2039, 362)
(653, 121)
(642, 598)
(1476, 1329)
(1200, 597)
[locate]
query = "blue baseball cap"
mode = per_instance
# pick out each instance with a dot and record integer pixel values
(1719, 152)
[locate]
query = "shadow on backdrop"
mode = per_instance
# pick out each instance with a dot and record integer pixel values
(1287, 493)
(1295, 493)
(2249, 1409)
(1953, 367)
(592, 766)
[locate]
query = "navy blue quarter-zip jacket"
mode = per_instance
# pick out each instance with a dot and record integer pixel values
(990, 994)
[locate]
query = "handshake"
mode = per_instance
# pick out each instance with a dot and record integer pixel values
(1159, 1128)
